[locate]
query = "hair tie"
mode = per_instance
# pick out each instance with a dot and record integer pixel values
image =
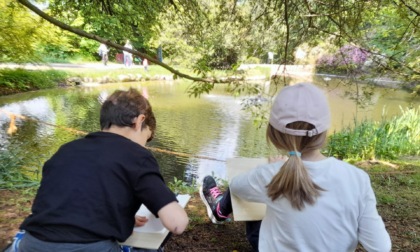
(295, 153)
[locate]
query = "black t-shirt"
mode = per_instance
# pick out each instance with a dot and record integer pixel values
(91, 189)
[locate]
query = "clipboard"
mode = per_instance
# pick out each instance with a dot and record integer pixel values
(153, 233)
(245, 210)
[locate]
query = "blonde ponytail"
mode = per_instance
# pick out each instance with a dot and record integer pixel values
(293, 181)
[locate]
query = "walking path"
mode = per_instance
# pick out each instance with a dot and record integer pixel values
(276, 69)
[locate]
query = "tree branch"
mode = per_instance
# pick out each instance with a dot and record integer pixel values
(83, 33)
(410, 8)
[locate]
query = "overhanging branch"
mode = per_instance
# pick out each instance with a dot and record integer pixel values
(85, 34)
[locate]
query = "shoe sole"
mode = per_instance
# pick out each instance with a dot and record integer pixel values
(209, 211)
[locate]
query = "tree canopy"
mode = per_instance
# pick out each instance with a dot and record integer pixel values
(208, 34)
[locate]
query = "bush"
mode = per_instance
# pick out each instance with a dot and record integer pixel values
(348, 58)
(417, 90)
(223, 58)
(25, 80)
(252, 60)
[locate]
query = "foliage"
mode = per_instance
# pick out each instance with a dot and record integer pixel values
(385, 140)
(417, 90)
(116, 20)
(223, 34)
(196, 89)
(23, 34)
(179, 186)
(25, 80)
(18, 33)
(389, 36)
(210, 34)
(392, 31)
(348, 57)
(11, 171)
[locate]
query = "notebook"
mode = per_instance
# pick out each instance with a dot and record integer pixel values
(153, 233)
(245, 210)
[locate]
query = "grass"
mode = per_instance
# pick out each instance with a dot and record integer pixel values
(397, 193)
(396, 186)
(115, 72)
(22, 80)
(25, 80)
(387, 140)
(13, 174)
(179, 186)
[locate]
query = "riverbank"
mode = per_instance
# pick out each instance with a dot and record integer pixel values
(22, 78)
(397, 192)
(91, 74)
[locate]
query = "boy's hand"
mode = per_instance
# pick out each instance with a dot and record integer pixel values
(140, 221)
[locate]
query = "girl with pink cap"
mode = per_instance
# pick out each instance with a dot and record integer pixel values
(314, 202)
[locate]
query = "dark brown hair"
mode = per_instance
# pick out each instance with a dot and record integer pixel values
(122, 107)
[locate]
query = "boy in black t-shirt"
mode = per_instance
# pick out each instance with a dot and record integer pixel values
(92, 187)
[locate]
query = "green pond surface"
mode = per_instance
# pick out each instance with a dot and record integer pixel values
(206, 130)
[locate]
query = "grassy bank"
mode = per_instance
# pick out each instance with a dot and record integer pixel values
(21, 80)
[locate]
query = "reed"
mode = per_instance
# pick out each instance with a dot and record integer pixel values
(388, 139)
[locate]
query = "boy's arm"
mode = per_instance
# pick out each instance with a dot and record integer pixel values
(173, 217)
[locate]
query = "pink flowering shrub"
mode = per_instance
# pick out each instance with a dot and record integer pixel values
(349, 54)
(347, 58)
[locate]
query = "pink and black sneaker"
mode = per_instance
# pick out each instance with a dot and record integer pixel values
(211, 195)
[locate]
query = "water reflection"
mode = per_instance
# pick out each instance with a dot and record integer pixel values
(225, 144)
(213, 126)
(37, 108)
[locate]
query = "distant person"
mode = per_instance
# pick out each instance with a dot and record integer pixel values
(103, 52)
(270, 57)
(92, 187)
(128, 57)
(314, 202)
(159, 53)
(145, 64)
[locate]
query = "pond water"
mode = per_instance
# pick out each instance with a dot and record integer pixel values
(196, 135)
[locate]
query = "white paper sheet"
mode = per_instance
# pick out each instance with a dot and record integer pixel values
(151, 235)
(154, 225)
(245, 210)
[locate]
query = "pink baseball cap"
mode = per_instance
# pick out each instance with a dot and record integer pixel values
(300, 102)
